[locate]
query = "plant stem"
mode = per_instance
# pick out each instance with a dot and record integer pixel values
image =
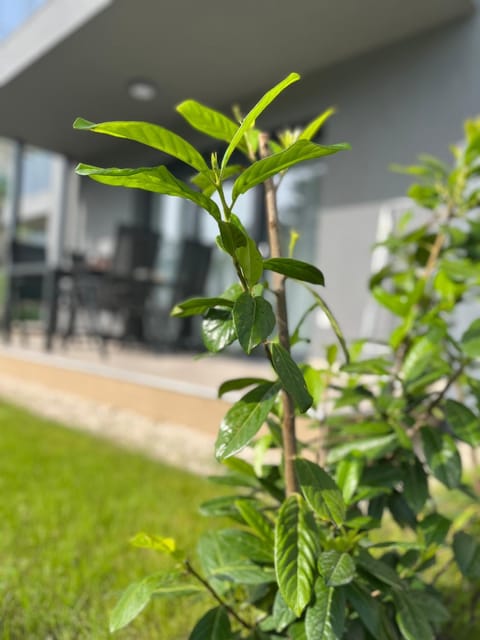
(192, 571)
(278, 288)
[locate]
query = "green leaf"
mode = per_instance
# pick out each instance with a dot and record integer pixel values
(211, 122)
(251, 261)
(258, 522)
(434, 528)
(238, 383)
(265, 168)
(333, 322)
(325, 618)
(336, 568)
(282, 615)
(415, 485)
(218, 330)
(295, 269)
(156, 179)
(411, 618)
(244, 420)
(291, 377)
(206, 180)
(247, 546)
(232, 237)
(320, 491)
(372, 366)
(252, 115)
(470, 342)
(151, 135)
(214, 625)
(348, 474)
(467, 555)
(370, 448)
(133, 600)
(368, 609)
(390, 301)
(315, 125)
(244, 572)
(463, 422)
(419, 357)
(136, 597)
(378, 569)
(295, 552)
(195, 306)
(442, 457)
(254, 320)
(157, 543)
(297, 631)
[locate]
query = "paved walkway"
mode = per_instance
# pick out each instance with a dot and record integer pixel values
(163, 405)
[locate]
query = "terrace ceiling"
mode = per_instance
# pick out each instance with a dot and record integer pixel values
(216, 51)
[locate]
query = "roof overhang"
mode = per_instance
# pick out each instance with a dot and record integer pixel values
(77, 57)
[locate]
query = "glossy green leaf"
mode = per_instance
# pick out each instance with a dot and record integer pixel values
(336, 568)
(195, 306)
(282, 615)
(463, 422)
(418, 358)
(320, 491)
(370, 448)
(333, 322)
(295, 553)
(249, 120)
(251, 262)
(209, 121)
(467, 554)
(415, 485)
(223, 506)
(244, 420)
(238, 383)
(315, 125)
(261, 170)
(434, 528)
(368, 609)
(390, 301)
(244, 572)
(218, 330)
(297, 631)
(470, 341)
(442, 457)
(371, 366)
(325, 618)
(291, 377)
(348, 474)
(156, 179)
(254, 320)
(378, 569)
(133, 600)
(157, 543)
(136, 597)
(151, 135)
(247, 546)
(258, 522)
(295, 269)
(411, 618)
(214, 625)
(232, 237)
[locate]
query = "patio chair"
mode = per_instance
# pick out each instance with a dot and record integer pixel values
(189, 281)
(114, 299)
(28, 270)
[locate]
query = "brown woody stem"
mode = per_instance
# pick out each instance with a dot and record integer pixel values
(278, 288)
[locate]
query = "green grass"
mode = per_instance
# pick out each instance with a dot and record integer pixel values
(69, 503)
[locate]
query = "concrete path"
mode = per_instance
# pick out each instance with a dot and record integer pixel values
(163, 405)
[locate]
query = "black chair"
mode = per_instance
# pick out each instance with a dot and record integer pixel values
(190, 280)
(114, 299)
(27, 273)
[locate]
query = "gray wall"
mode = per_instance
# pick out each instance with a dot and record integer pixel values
(392, 105)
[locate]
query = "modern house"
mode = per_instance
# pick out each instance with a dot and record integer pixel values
(403, 74)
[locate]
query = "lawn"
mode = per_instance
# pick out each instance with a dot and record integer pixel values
(69, 504)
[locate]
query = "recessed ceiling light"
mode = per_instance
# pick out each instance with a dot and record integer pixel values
(142, 90)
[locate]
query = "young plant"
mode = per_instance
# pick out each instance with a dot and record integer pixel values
(303, 559)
